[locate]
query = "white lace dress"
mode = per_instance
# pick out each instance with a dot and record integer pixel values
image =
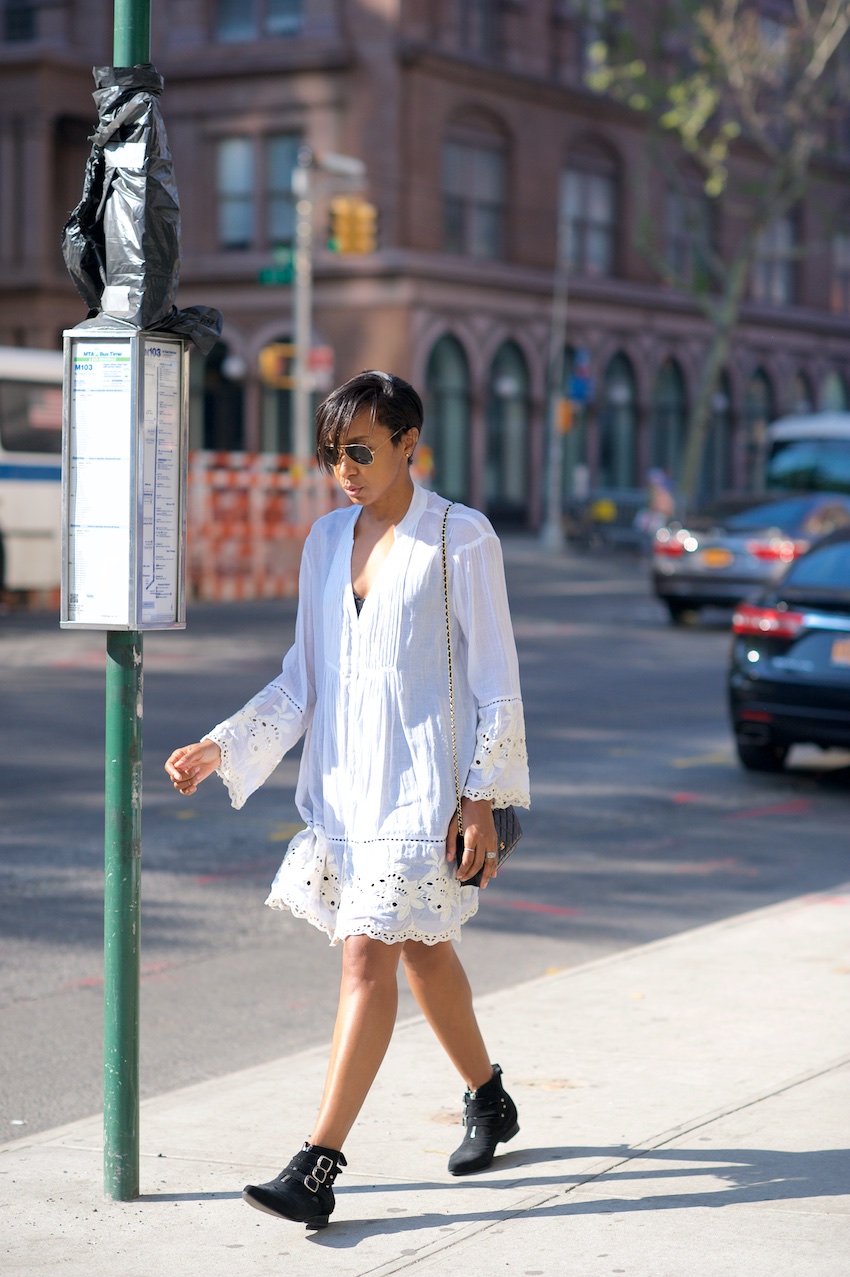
(376, 783)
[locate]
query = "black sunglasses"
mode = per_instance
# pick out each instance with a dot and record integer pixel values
(360, 453)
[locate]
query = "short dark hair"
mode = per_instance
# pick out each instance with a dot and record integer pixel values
(391, 401)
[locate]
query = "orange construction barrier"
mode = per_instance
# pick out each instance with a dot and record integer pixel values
(248, 517)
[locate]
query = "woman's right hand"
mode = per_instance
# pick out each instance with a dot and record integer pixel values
(191, 764)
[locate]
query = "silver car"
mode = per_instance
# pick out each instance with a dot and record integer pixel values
(725, 553)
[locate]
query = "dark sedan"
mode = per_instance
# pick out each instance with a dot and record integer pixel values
(789, 675)
(725, 553)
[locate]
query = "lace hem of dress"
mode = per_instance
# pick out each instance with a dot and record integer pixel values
(498, 797)
(395, 937)
(230, 777)
(499, 770)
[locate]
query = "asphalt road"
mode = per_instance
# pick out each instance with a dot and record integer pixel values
(642, 825)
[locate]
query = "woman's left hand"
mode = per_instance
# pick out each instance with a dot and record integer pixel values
(479, 840)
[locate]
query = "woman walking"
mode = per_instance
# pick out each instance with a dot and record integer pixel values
(367, 680)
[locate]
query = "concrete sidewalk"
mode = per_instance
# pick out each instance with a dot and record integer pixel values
(655, 1087)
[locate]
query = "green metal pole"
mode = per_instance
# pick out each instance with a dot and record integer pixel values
(123, 823)
(131, 32)
(122, 914)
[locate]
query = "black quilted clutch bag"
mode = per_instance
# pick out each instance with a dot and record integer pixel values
(508, 832)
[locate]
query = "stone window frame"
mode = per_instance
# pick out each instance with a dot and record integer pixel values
(261, 193)
(466, 211)
(266, 25)
(839, 290)
(590, 162)
(774, 277)
(687, 232)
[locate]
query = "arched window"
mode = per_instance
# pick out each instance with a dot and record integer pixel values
(276, 416)
(446, 430)
(833, 393)
(217, 416)
(802, 395)
(589, 210)
(506, 483)
(618, 426)
(669, 420)
(840, 288)
(759, 411)
(474, 184)
(717, 472)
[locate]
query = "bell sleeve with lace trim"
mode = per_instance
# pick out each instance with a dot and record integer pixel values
(255, 739)
(499, 770)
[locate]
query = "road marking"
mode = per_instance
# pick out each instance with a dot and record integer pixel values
(238, 871)
(795, 807)
(524, 628)
(532, 906)
(720, 758)
(284, 833)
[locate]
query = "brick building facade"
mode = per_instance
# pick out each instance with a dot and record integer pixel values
(475, 126)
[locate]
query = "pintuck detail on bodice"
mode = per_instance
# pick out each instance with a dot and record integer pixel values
(376, 782)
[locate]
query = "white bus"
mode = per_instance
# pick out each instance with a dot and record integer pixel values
(30, 468)
(808, 453)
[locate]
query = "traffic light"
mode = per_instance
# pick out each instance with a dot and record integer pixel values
(354, 225)
(277, 365)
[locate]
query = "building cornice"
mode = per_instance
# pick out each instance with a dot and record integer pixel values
(507, 82)
(219, 62)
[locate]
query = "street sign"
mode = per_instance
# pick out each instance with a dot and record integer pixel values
(320, 367)
(272, 276)
(282, 271)
(582, 389)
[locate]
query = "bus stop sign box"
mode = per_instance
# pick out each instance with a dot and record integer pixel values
(124, 466)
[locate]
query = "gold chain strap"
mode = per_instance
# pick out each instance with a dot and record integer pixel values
(451, 679)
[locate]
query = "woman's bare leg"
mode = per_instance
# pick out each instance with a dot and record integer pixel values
(368, 1001)
(439, 984)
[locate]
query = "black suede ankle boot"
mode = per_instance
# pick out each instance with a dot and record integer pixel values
(303, 1190)
(490, 1119)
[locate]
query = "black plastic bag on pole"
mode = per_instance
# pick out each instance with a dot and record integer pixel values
(121, 244)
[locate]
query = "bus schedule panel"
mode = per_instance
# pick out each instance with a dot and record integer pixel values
(124, 483)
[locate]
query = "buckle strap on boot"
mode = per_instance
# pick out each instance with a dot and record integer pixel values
(316, 1167)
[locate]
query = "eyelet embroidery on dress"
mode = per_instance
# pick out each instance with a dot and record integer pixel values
(499, 750)
(430, 905)
(264, 729)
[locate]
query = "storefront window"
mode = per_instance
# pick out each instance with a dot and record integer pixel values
(669, 420)
(506, 483)
(758, 413)
(833, 394)
(217, 401)
(717, 473)
(802, 397)
(618, 426)
(447, 418)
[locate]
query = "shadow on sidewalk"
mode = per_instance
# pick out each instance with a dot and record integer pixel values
(750, 1176)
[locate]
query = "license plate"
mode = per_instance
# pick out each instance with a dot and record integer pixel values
(717, 558)
(841, 652)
